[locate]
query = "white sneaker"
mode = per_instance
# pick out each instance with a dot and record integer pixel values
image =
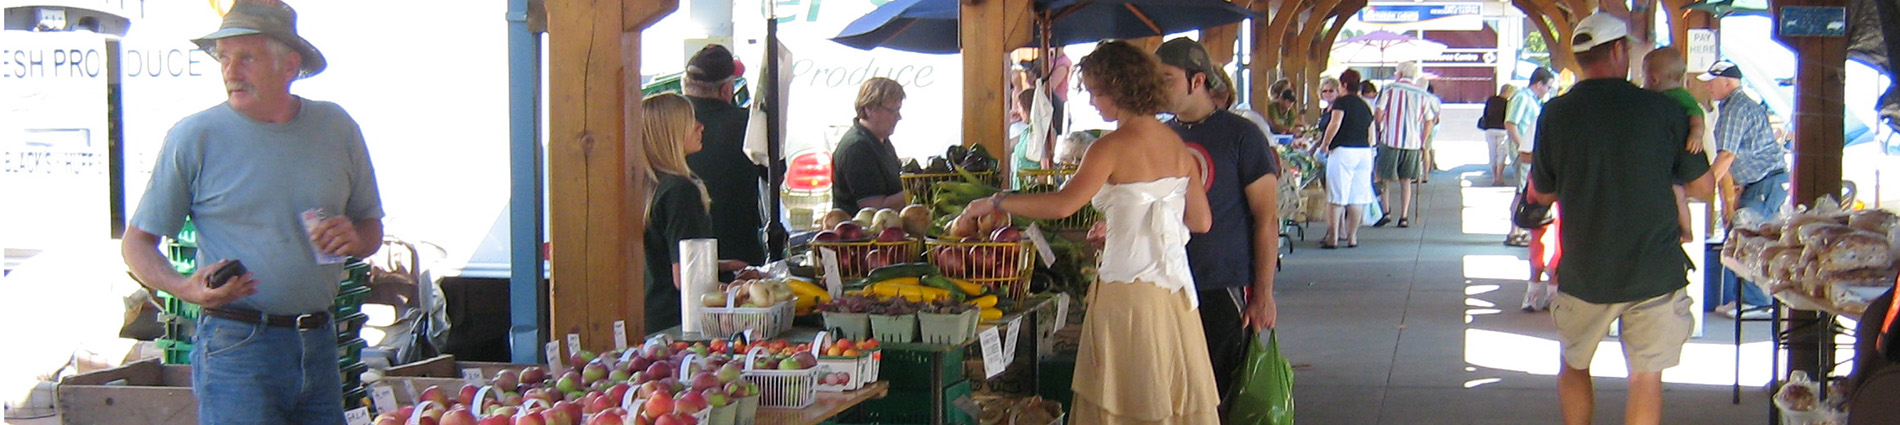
(1536, 297)
(1751, 313)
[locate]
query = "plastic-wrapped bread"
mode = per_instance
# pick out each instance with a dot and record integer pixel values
(1817, 233)
(1782, 262)
(1876, 220)
(1853, 249)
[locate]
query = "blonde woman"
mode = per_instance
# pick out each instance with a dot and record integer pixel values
(678, 206)
(1142, 346)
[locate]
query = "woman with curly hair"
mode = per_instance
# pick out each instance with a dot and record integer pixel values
(1142, 345)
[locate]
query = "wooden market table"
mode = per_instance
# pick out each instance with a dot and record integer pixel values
(827, 406)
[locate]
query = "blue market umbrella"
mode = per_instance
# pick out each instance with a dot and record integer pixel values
(930, 26)
(923, 26)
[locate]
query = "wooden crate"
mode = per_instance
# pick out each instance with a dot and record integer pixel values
(141, 393)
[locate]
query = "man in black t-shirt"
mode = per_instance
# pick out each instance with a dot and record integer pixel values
(1620, 235)
(1241, 172)
(864, 168)
(732, 180)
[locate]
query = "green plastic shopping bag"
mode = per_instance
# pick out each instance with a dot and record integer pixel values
(1263, 386)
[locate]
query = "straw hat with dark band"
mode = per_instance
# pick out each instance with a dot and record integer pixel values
(270, 18)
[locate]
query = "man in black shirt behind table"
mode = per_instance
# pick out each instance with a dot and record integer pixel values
(732, 180)
(864, 168)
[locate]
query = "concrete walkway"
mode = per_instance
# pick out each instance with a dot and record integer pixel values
(1421, 326)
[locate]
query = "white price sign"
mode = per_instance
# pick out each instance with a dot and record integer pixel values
(384, 398)
(554, 357)
(1042, 246)
(833, 280)
(357, 416)
(472, 376)
(620, 334)
(574, 345)
(1009, 343)
(1062, 311)
(993, 361)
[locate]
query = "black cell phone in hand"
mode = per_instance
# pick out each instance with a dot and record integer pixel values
(233, 270)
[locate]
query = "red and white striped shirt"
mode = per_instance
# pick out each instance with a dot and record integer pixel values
(1406, 114)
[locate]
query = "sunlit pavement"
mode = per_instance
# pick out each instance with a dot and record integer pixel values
(1421, 325)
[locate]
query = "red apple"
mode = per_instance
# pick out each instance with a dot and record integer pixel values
(1006, 234)
(675, 419)
(530, 417)
(594, 371)
(849, 232)
(659, 370)
(467, 395)
(570, 382)
(435, 394)
(660, 404)
(507, 380)
(703, 380)
(611, 416)
(650, 388)
(561, 414)
(390, 419)
(533, 375)
(825, 236)
(459, 416)
(691, 401)
(492, 420)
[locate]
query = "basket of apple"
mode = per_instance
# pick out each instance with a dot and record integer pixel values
(877, 241)
(848, 365)
(764, 306)
(787, 378)
(985, 250)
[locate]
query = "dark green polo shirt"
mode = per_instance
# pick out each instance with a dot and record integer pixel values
(1611, 152)
(863, 167)
(677, 214)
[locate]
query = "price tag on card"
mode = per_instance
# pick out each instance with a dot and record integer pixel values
(357, 416)
(554, 357)
(574, 345)
(1009, 342)
(384, 398)
(620, 334)
(1042, 245)
(1062, 311)
(993, 361)
(472, 376)
(833, 280)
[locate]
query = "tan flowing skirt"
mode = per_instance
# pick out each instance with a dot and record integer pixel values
(1143, 360)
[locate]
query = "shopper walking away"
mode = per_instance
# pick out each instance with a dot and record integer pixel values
(1496, 139)
(1241, 173)
(280, 186)
(1348, 159)
(1142, 343)
(1749, 152)
(1622, 260)
(1520, 123)
(1547, 251)
(732, 180)
(864, 167)
(1405, 114)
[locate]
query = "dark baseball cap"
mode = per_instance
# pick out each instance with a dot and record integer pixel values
(1191, 56)
(1721, 69)
(712, 63)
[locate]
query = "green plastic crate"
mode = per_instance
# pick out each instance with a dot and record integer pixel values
(921, 366)
(350, 302)
(178, 308)
(176, 352)
(353, 397)
(356, 271)
(913, 407)
(350, 352)
(350, 327)
(184, 258)
(353, 375)
(188, 234)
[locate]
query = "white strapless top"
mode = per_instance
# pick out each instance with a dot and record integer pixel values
(1147, 234)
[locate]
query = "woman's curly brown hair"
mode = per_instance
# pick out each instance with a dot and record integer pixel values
(1129, 75)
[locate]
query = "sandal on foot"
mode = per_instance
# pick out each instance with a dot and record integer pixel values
(1404, 223)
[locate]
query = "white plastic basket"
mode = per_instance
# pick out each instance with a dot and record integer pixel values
(765, 322)
(792, 389)
(635, 406)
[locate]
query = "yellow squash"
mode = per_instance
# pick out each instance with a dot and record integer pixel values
(990, 314)
(986, 301)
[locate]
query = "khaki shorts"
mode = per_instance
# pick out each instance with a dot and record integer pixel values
(1398, 164)
(1653, 330)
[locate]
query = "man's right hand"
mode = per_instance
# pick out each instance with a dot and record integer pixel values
(199, 290)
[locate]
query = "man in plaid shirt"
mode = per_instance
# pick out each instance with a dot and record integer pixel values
(1748, 151)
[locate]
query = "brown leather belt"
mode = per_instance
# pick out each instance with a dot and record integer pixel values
(302, 321)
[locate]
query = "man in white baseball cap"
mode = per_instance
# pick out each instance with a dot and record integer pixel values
(1614, 183)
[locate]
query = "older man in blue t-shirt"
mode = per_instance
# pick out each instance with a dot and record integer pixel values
(1242, 177)
(282, 184)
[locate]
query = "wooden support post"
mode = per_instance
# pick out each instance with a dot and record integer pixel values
(990, 30)
(1269, 40)
(1220, 42)
(1819, 83)
(596, 180)
(1298, 59)
(1555, 24)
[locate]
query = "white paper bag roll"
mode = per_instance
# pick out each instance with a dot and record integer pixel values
(699, 274)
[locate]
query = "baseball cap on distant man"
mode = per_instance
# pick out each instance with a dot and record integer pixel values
(1721, 69)
(1191, 56)
(713, 63)
(1596, 30)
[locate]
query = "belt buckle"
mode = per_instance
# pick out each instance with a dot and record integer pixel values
(303, 326)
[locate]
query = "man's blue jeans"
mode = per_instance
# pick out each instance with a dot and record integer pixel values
(246, 374)
(1765, 197)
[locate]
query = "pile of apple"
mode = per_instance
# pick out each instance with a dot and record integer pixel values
(886, 226)
(961, 260)
(597, 393)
